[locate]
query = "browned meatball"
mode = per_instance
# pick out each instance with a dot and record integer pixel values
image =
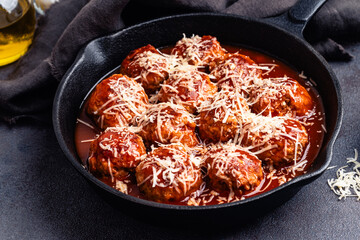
(187, 87)
(147, 66)
(222, 117)
(115, 153)
(168, 174)
(235, 70)
(277, 140)
(279, 97)
(116, 101)
(230, 167)
(168, 123)
(198, 51)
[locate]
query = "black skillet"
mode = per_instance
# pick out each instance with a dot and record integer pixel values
(280, 37)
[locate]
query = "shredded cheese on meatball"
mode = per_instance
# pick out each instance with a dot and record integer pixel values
(221, 155)
(188, 87)
(176, 170)
(157, 63)
(158, 113)
(240, 79)
(260, 130)
(229, 100)
(126, 101)
(194, 48)
(122, 141)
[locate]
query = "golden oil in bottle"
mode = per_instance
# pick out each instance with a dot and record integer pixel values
(17, 26)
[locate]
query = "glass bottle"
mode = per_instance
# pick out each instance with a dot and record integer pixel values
(17, 26)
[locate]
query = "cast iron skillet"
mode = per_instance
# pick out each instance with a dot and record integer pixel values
(280, 37)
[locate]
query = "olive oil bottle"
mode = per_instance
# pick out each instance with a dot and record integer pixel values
(17, 26)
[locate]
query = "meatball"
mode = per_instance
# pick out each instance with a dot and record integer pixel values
(187, 87)
(198, 51)
(230, 167)
(168, 123)
(222, 117)
(279, 97)
(116, 101)
(147, 66)
(115, 153)
(168, 174)
(235, 70)
(279, 141)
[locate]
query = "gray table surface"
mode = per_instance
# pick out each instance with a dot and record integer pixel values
(43, 197)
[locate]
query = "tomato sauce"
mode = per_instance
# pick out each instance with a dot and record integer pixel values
(272, 179)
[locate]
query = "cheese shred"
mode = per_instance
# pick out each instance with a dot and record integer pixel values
(347, 183)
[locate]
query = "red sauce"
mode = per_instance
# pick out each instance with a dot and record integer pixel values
(315, 129)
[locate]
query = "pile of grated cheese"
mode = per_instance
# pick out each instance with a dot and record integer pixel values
(347, 184)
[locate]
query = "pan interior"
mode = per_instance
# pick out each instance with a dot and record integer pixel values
(103, 55)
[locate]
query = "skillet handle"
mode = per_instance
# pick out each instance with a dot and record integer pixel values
(297, 17)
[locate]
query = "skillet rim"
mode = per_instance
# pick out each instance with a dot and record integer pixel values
(296, 181)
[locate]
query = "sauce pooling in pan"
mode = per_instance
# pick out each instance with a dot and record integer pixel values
(200, 124)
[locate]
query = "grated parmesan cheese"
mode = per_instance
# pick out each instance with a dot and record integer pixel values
(121, 186)
(347, 184)
(230, 108)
